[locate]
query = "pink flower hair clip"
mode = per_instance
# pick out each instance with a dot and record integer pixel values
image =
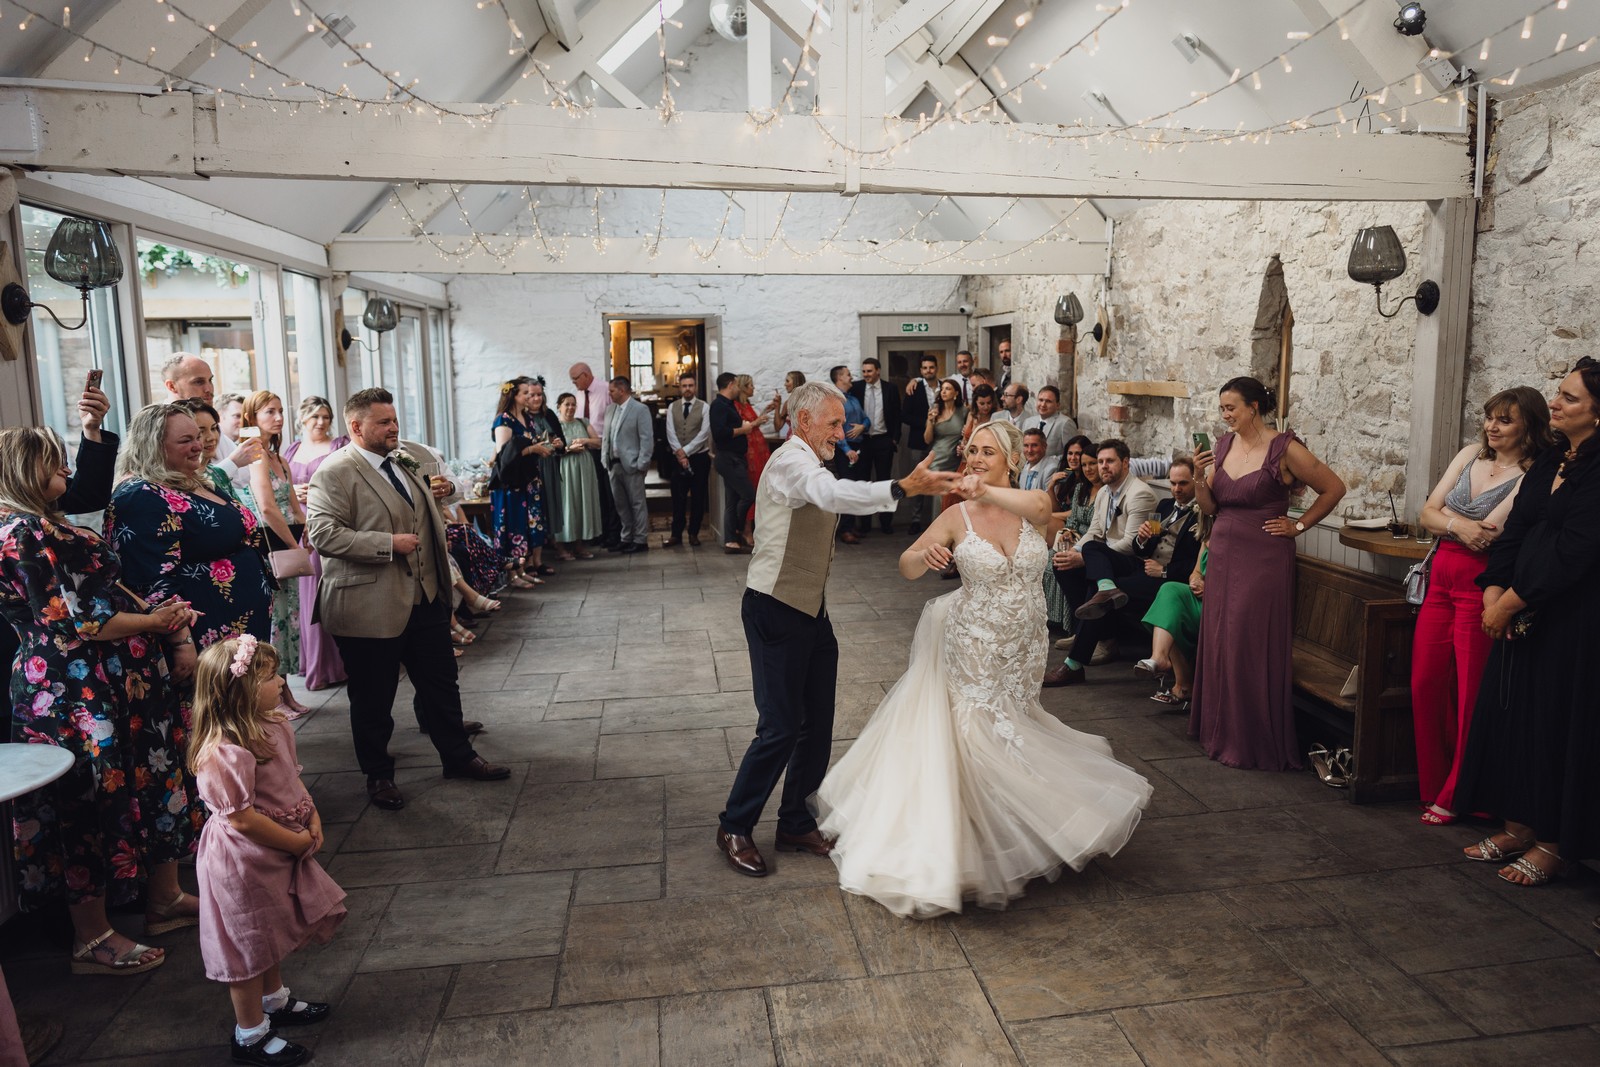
(243, 656)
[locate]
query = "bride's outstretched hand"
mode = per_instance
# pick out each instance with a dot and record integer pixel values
(972, 487)
(937, 557)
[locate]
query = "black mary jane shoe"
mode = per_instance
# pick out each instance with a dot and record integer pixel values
(289, 1055)
(313, 1013)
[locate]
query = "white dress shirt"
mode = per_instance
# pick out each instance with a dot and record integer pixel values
(795, 477)
(702, 440)
(872, 403)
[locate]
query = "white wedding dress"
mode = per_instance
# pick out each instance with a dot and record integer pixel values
(961, 786)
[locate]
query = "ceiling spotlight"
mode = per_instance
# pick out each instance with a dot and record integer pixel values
(1188, 46)
(1411, 20)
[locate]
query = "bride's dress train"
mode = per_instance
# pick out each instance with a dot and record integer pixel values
(961, 786)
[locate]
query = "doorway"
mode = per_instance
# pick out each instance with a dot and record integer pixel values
(902, 361)
(654, 352)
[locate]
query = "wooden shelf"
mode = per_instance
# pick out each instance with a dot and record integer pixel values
(1173, 389)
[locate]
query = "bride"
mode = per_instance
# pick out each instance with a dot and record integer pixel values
(962, 787)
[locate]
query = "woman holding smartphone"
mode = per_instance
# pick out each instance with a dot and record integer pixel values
(1243, 675)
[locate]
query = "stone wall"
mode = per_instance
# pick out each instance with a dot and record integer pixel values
(1186, 282)
(1534, 311)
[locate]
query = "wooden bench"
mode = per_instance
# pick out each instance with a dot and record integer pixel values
(1344, 618)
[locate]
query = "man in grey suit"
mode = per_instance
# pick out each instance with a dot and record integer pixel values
(385, 595)
(625, 452)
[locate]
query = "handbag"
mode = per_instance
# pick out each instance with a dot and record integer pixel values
(1417, 577)
(290, 563)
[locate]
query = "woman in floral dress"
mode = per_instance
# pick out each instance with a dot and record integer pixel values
(177, 537)
(90, 677)
(519, 512)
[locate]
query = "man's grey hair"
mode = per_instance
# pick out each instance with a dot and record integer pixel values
(813, 397)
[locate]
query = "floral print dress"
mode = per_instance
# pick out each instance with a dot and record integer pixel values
(174, 543)
(518, 513)
(286, 599)
(127, 801)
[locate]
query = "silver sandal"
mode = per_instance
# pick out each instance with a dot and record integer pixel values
(1535, 875)
(1489, 852)
(83, 961)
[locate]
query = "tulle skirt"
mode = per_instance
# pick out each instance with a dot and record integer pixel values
(935, 804)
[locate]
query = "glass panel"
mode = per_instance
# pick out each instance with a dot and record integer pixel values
(66, 356)
(438, 383)
(642, 364)
(413, 413)
(198, 302)
(357, 360)
(302, 328)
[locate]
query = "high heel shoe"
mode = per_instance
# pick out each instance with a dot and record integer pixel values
(1437, 818)
(1486, 851)
(1535, 874)
(1150, 666)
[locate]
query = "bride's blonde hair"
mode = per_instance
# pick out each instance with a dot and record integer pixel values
(1009, 438)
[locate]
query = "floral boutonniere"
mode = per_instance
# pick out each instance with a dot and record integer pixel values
(403, 458)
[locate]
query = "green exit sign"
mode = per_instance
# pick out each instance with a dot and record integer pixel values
(913, 327)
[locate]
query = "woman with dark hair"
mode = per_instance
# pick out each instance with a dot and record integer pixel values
(518, 511)
(1535, 738)
(91, 677)
(946, 419)
(1466, 511)
(580, 491)
(546, 426)
(319, 655)
(1072, 489)
(1243, 674)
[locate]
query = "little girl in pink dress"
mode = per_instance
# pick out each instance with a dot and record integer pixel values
(262, 894)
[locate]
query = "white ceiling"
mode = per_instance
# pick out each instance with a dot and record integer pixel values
(463, 51)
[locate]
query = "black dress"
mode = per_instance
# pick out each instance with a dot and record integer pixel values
(1535, 735)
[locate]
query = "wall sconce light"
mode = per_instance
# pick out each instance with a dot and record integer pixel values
(1069, 312)
(380, 316)
(1377, 257)
(81, 254)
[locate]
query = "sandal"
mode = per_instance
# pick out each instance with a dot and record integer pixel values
(165, 918)
(546, 570)
(129, 962)
(1486, 851)
(585, 555)
(1436, 818)
(1167, 696)
(484, 604)
(517, 581)
(565, 557)
(1149, 666)
(1535, 874)
(460, 636)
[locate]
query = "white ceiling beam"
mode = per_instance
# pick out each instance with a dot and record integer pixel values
(799, 22)
(561, 19)
(758, 60)
(959, 24)
(613, 87)
(133, 27)
(904, 24)
(179, 135)
(682, 255)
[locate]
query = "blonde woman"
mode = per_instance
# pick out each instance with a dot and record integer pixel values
(123, 812)
(271, 495)
(962, 787)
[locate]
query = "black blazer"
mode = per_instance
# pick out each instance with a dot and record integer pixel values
(1186, 549)
(891, 404)
(89, 489)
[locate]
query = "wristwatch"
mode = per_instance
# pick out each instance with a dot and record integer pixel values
(1299, 527)
(897, 491)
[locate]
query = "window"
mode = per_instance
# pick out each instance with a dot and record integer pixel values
(202, 303)
(642, 364)
(413, 413)
(306, 344)
(439, 382)
(359, 371)
(65, 357)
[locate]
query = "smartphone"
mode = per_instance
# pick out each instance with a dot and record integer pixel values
(93, 378)
(1202, 441)
(247, 432)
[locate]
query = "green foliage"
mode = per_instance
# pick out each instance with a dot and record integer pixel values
(170, 261)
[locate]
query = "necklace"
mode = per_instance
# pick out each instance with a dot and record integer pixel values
(1496, 468)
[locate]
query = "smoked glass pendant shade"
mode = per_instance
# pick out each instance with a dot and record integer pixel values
(380, 315)
(1069, 310)
(83, 255)
(1377, 256)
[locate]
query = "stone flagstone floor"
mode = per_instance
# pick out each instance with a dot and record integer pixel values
(578, 914)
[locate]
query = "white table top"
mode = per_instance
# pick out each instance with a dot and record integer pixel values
(24, 768)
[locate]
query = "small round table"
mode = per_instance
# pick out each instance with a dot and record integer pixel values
(1383, 543)
(24, 768)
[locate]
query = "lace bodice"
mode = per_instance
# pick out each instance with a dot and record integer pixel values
(996, 642)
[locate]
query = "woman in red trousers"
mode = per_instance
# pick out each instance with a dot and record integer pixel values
(1466, 511)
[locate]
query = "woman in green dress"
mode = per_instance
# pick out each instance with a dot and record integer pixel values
(1174, 622)
(579, 514)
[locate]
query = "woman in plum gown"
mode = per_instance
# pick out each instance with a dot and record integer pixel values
(961, 787)
(1241, 710)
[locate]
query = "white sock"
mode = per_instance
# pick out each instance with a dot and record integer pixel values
(256, 1033)
(276, 1001)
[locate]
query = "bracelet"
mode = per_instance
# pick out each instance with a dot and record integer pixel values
(1447, 526)
(180, 643)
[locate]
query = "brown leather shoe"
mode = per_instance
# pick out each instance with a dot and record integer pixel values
(741, 854)
(385, 794)
(694, 540)
(812, 842)
(1102, 602)
(479, 770)
(1063, 676)
(672, 542)
(849, 538)
(472, 726)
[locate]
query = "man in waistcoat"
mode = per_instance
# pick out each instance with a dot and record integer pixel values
(794, 657)
(385, 596)
(689, 437)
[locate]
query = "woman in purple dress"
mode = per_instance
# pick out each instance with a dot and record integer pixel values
(1243, 675)
(319, 656)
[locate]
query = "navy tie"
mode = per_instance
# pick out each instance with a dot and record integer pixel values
(394, 479)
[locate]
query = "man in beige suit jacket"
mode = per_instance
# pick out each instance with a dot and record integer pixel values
(385, 595)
